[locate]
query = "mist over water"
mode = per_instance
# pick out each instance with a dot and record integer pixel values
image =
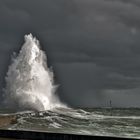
(29, 81)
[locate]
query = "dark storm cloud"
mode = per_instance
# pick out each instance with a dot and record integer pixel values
(12, 20)
(93, 45)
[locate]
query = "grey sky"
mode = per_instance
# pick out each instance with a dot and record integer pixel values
(93, 46)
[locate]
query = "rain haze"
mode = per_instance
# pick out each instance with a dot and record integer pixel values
(93, 46)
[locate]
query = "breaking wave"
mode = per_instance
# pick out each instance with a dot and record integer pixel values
(29, 81)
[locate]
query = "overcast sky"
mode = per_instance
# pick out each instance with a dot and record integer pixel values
(92, 45)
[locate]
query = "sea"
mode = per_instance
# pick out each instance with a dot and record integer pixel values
(117, 122)
(30, 84)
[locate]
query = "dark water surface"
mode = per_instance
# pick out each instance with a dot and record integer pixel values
(96, 121)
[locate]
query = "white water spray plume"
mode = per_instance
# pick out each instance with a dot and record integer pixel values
(29, 81)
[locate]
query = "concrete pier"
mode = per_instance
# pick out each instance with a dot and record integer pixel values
(35, 135)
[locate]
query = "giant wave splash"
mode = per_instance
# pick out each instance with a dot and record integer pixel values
(29, 81)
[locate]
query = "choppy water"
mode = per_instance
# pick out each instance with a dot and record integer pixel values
(97, 121)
